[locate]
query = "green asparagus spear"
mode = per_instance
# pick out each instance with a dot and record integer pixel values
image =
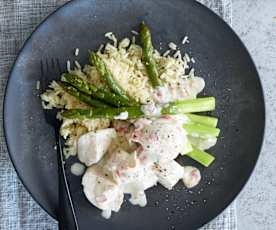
(203, 131)
(201, 157)
(95, 92)
(148, 59)
(109, 113)
(204, 120)
(96, 60)
(190, 106)
(82, 96)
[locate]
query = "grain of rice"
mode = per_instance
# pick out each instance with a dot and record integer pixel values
(112, 37)
(166, 53)
(68, 65)
(177, 54)
(185, 40)
(134, 32)
(133, 40)
(172, 46)
(192, 72)
(108, 34)
(124, 43)
(37, 85)
(77, 50)
(77, 64)
(187, 57)
(100, 48)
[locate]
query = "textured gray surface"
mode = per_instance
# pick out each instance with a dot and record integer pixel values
(255, 23)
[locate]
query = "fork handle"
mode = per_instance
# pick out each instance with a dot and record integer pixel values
(66, 214)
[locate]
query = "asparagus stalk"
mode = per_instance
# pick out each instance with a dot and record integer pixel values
(96, 60)
(81, 96)
(203, 131)
(201, 157)
(190, 106)
(188, 148)
(149, 62)
(204, 120)
(109, 113)
(92, 90)
(202, 143)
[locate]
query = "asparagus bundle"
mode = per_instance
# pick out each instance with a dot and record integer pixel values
(95, 92)
(96, 60)
(193, 105)
(82, 96)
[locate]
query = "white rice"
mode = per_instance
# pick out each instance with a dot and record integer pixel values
(77, 64)
(133, 40)
(166, 53)
(37, 85)
(185, 40)
(187, 57)
(192, 72)
(112, 37)
(68, 65)
(177, 55)
(134, 32)
(100, 48)
(77, 50)
(172, 46)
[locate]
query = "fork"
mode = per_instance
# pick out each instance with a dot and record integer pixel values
(67, 219)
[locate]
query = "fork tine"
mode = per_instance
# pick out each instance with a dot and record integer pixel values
(58, 66)
(43, 76)
(50, 69)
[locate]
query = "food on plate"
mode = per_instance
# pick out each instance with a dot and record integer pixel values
(128, 115)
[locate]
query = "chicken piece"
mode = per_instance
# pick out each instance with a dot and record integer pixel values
(92, 146)
(121, 127)
(101, 190)
(141, 123)
(168, 173)
(146, 178)
(160, 141)
(122, 165)
(191, 176)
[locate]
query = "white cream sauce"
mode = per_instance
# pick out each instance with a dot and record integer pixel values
(151, 109)
(138, 198)
(77, 169)
(122, 116)
(191, 176)
(144, 157)
(184, 89)
(106, 213)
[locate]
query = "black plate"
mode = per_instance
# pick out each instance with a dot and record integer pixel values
(221, 59)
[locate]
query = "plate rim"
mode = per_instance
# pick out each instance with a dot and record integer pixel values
(205, 8)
